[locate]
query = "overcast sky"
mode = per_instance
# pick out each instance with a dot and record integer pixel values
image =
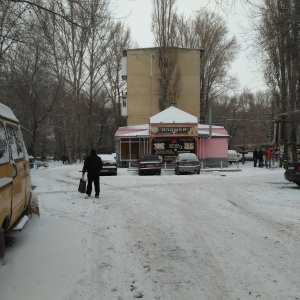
(137, 15)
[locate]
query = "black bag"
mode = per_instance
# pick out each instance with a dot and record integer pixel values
(82, 186)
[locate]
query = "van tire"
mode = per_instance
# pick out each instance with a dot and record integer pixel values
(2, 246)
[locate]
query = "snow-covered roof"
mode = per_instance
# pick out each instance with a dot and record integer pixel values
(143, 133)
(135, 127)
(169, 116)
(173, 115)
(206, 133)
(7, 113)
(134, 131)
(206, 126)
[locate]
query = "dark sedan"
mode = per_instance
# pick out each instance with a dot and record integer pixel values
(109, 164)
(292, 172)
(149, 164)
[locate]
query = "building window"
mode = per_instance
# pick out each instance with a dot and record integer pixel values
(124, 98)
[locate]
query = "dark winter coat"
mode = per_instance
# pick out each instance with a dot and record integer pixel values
(255, 154)
(260, 155)
(92, 164)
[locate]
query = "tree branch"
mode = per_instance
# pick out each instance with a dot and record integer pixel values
(49, 11)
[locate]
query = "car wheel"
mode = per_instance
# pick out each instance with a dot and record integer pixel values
(2, 246)
(158, 173)
(298, 183)
(198, 172)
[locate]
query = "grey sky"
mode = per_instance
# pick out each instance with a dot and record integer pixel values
(137, 15)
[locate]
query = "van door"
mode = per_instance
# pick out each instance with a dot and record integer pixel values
(19, 171)
(5, 179)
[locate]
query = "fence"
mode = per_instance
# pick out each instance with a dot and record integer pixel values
(35, 164)
(171, 166)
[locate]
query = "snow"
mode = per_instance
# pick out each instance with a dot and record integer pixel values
(173, 115)
(231, 233)
(7, 113)
(144, 133)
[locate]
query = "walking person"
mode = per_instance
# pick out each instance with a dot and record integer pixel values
(92, 165)
(255, 154)
(269, 158)
(272, 158)
(260, 157)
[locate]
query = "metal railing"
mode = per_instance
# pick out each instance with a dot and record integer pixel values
(171, 166)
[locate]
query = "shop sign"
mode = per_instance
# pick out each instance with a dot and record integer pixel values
(163, 130)
(167, 148)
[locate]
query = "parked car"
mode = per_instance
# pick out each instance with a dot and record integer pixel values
(149, 164)
(187, 163)
(234, 157)
(109, 164)
(292, 172)
(248, 156)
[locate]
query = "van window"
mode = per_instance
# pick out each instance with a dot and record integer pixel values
(15, 138)
(4, 154)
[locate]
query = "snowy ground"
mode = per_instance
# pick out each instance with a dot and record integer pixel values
(217, 235)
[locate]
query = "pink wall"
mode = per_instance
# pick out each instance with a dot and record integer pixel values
(212, 148)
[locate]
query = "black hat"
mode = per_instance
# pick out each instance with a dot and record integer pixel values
(93, 151)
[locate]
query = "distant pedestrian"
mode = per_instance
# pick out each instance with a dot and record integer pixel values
(92, 165)
(260, 157)
(269, 158)
(272, 157)
(255, 154)
(65, 159)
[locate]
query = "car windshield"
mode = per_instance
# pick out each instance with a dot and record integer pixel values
(187, 156)
(107, 157)
(150, 157)
(232, 152)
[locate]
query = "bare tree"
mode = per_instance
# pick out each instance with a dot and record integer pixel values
(11, 26)
(79, 55)
(31, 89)
(247, 117)
(164, 23)
(68, 45)
(114, 85)
(209, 31)
(279, 34)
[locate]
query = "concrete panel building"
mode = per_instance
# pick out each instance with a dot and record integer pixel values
(140, 68)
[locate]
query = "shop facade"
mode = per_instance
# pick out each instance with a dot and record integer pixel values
(168, 133)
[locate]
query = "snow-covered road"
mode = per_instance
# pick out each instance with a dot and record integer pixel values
(217, 235)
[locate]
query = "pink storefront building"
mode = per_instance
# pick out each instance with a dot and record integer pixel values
(169, 132)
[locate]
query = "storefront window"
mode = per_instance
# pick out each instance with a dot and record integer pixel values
(167, 148)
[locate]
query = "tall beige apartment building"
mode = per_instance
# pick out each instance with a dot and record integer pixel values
(140, 67)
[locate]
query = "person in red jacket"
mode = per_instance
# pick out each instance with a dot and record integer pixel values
(269, 157)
